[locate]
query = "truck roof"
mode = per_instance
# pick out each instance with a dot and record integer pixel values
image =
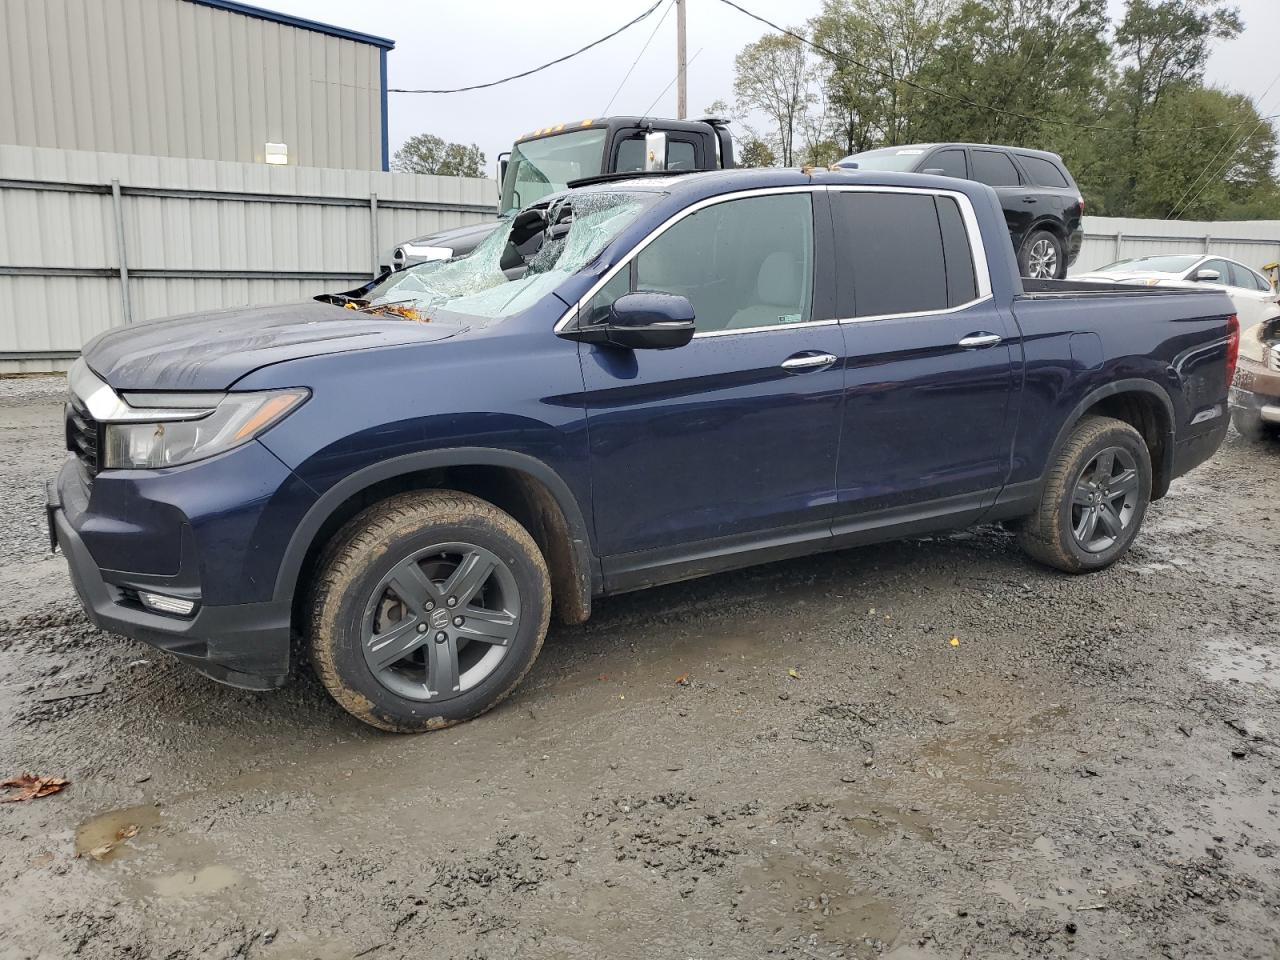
(606, 123)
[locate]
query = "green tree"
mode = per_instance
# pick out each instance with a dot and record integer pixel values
(756, 153)
(771, 77)
(427, 153)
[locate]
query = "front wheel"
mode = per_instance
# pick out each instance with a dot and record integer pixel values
(1042, 257)
(1094, 498)
(428, 608)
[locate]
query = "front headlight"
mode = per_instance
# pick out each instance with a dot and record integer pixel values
(236, 418)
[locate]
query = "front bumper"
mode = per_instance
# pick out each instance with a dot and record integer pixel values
(245, 645)
(1257, 388)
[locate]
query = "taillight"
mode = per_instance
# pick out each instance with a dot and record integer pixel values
(1080, 204)
(1233, 346)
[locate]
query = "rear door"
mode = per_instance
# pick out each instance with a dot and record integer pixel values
(713, 448)
(927, 425)
(1020, 201)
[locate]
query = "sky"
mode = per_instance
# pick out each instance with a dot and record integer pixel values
(450, 44)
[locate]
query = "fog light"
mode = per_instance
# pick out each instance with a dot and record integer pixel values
(162, 604)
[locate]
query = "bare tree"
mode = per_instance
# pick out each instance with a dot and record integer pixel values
(771, 76)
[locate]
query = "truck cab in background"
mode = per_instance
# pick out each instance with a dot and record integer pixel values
(549, 159)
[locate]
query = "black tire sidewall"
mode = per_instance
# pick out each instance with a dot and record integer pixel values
(1116, 437)
(347, 630)
(1030, 241)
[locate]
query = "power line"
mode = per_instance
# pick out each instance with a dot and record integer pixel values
(661, 21)
(550, 63)
(1177, 207)
(668, 86)
(840, 57)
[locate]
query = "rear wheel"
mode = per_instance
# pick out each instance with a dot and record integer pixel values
(1042, 256)
(428, 609)
(1094, 498)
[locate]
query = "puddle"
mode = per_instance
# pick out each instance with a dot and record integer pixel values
(1226, 661)
(109, 828)
(198, 883)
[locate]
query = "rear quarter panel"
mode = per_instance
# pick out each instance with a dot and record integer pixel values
(1076, 347)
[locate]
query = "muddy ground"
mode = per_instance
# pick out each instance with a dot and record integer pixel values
(1092, 771)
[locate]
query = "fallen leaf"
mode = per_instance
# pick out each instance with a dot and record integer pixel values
(792, 674)
(682, 680)
(124, 833)
(29, 787)
(954, 641)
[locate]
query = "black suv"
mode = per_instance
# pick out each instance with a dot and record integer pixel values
(1042, 204)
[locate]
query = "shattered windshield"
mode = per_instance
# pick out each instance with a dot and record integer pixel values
(538, 168)
(514, 267)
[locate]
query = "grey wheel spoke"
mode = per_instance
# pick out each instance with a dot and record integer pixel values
(1087, 525)
(404, 637)
(466, 581)
(442, 666)
(414, 587)
(489, 626)
(1125, 483)
(1110, 520)
(1083, 495)
(1105, 464)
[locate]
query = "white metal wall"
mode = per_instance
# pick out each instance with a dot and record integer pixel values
(1107, 239)
(177, 79)
(198, 235)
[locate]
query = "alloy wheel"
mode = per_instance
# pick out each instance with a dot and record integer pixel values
(1104, 499)
(441, 621)
(1042, 259)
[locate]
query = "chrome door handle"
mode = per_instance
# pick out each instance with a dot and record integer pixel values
(808, 361)
(975, 340)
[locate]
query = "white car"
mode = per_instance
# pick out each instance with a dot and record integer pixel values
(1250, 291)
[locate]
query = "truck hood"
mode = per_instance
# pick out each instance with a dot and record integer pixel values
(471, 235)
(211, 351)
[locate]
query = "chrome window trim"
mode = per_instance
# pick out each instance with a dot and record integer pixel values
(978, 250)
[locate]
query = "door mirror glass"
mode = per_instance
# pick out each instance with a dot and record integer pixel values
(655, 151)
(1208, 276)
(934, 171)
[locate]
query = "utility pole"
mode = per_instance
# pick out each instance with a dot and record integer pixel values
(682, 95)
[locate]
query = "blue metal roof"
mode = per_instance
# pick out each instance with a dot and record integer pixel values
(289, 20)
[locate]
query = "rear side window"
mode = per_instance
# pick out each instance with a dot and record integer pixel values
(1043, 172)
(994, 169)
(900, 253)
(950, 162)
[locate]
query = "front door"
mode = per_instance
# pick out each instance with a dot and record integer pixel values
(717, 447)
(927, 426)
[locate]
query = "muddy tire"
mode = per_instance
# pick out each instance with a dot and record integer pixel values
(427, 609)
(1094, 499)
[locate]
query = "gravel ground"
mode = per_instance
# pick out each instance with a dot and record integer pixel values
(1090, 771)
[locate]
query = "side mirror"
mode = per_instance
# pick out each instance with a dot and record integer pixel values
(642, 321)
(655, 151)
(503, 160)
(935, 172)
(1209, 276)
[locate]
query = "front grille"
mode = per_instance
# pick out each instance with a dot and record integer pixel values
(82, 434)
(1273, 357)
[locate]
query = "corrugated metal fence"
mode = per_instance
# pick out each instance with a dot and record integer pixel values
(94, 240)
(190, 235)
(1107, 239)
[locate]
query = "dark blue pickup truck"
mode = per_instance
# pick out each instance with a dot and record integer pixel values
(642, 380)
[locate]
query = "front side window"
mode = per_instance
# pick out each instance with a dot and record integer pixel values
(742, 264)
(631, 155)
(950, 162)
(994, 169)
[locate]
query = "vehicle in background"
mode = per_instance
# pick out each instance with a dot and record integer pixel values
(1042, 205)
(1249, 290)
(548, 160)
(639, 382)
(1255, 391)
